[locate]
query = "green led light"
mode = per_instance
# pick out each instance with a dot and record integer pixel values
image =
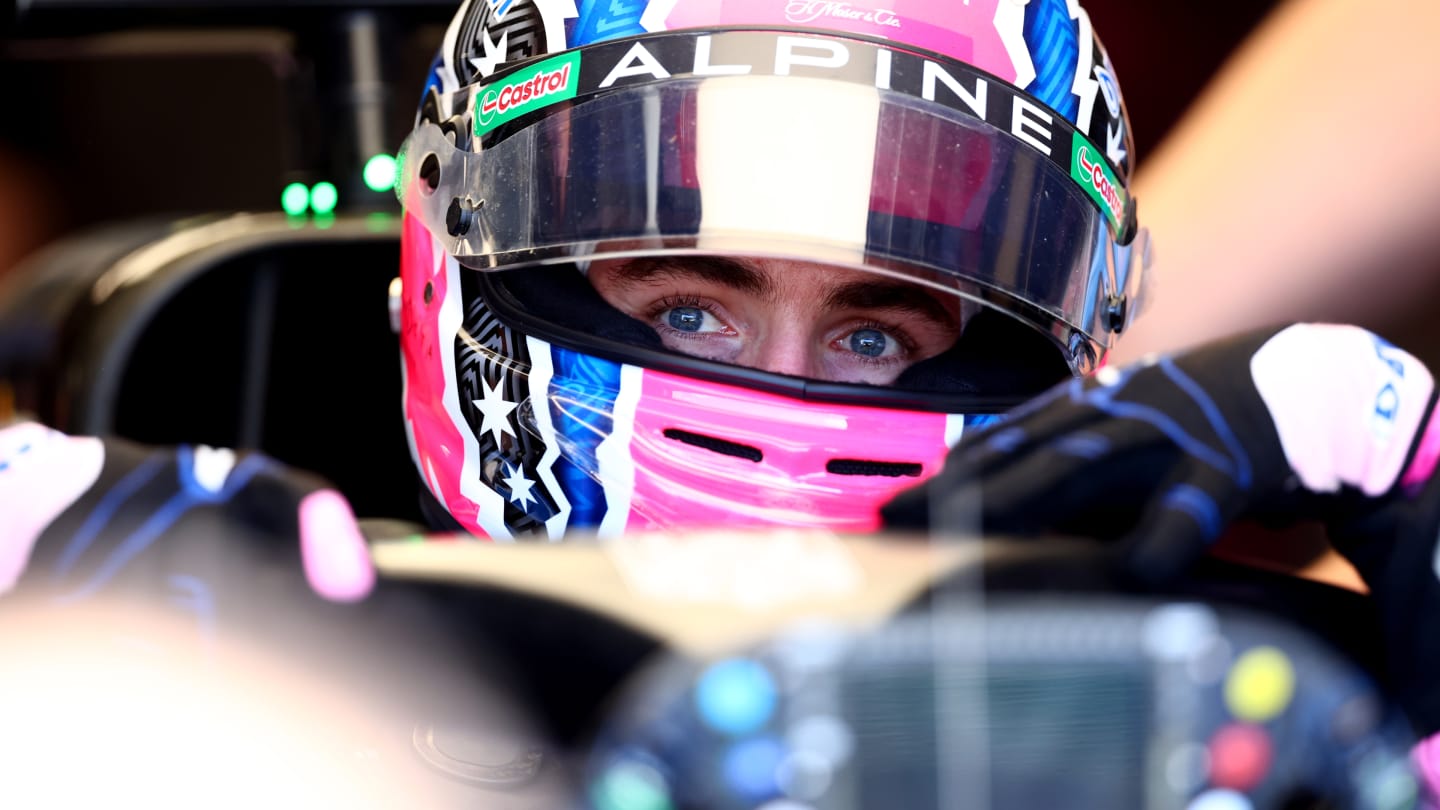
(294, 199)
(380, 172)
(323, 197)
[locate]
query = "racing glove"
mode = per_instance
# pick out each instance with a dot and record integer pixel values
(176, 616)
(80, 516)
(1309, 421)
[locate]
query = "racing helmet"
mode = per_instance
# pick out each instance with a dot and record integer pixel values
(978, 151)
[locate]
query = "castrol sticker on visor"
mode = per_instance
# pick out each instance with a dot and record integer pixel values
(1088, 168)
(525, 91)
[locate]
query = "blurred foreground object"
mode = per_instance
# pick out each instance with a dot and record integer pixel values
(476, 675)
(1067, 702)
(126, 702)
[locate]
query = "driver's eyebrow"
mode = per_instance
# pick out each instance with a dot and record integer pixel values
(891, 295)
(714, 269)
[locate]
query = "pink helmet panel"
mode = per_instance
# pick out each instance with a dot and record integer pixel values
(438, 445)
(967, 31)
(680, 483)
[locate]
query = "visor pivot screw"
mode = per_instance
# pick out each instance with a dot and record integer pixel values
(429, 291)
(1115, 313)
(461, 216)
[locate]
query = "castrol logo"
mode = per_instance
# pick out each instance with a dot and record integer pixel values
(1094, 172)
(512, 96)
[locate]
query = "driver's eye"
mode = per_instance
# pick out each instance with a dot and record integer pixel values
(686, 319)
(869, 342)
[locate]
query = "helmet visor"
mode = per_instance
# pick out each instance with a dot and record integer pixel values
(786, 167)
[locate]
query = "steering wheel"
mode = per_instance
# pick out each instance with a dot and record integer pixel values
(785, 670)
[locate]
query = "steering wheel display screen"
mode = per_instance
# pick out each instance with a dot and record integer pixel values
(1084, 728)
(1073, 703)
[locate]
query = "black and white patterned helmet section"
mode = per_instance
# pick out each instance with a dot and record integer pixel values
(486, 34)
(493, 377)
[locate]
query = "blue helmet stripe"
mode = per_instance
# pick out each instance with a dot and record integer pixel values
(601, 20)
(1054, 45)
(583, 391)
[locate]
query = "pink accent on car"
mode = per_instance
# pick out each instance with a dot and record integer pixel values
(42, 472)
(1426, 455)
(336, 558)
(1346, 407)
(426, 351)
(1425, 757)
(680, 483)
(964, 31)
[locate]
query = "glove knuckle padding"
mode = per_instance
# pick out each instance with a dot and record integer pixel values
(1346, 405)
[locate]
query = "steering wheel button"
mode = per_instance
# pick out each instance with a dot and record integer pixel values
(1239, 756)
(1220, 800)
(1260, 685)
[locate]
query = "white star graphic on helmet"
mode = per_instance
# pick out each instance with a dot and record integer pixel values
(519, 486)
(494, 411)
(494, 53)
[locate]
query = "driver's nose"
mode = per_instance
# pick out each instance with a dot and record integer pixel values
(783, 353)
